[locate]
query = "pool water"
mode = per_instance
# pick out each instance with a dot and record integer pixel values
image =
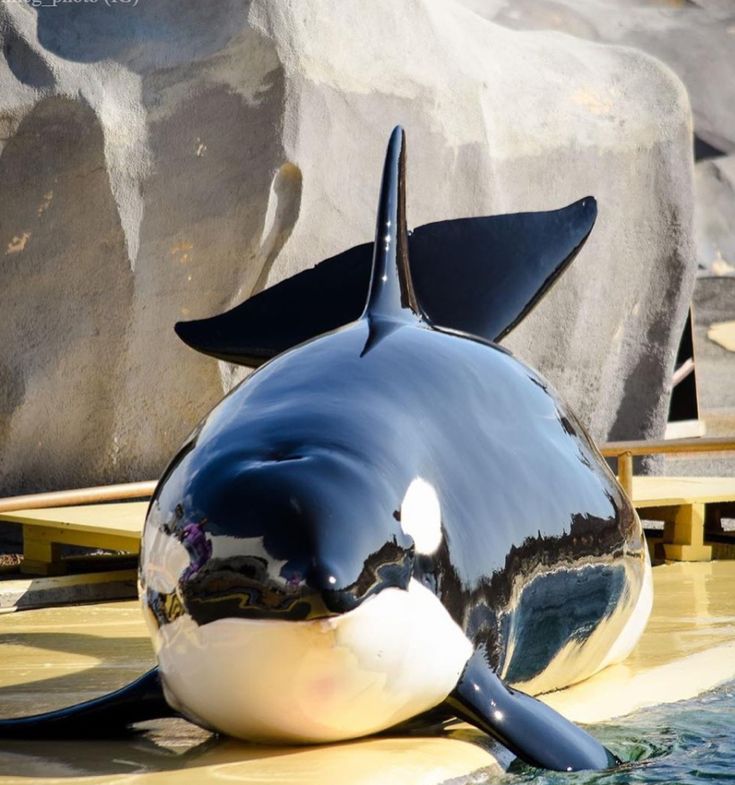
(688, 742)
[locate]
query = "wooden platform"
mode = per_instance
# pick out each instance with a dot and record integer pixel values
(115, 527)
(680, 502)
(672, 491)
(24, 593)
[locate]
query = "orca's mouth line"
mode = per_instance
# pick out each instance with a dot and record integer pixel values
(330, 617)
(254, 586)
(167, 607)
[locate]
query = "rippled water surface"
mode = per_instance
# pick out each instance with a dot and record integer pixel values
(688, 742)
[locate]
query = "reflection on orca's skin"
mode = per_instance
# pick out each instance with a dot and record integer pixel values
(248, 554)
(539, 548)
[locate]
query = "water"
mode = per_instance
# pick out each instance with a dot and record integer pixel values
(683, 743)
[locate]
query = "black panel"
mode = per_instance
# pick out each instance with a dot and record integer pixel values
(684, 404)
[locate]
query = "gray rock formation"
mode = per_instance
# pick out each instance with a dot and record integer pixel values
(714, 224)
(165, 160)
(696, 38)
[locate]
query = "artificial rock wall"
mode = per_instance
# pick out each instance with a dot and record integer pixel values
(165, 160)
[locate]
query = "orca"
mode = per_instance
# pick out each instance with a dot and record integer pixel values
(392, 521)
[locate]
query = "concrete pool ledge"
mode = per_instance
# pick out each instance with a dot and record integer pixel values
(56, 656)
(619, 690)
(687, 648)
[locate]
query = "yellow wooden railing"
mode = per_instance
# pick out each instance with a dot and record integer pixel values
(626, 451)
(104, 493)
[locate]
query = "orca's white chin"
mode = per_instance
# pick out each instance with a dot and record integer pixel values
(396, 655)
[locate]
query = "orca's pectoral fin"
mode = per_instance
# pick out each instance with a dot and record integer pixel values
(109, 715)
(531, 730)
(308, 304)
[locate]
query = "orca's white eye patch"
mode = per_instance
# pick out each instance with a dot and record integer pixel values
(421, 516)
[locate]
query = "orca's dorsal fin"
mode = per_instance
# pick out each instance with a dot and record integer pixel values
(391, 295)
(480, 276)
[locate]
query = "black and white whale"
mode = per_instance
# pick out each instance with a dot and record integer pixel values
(392, 518)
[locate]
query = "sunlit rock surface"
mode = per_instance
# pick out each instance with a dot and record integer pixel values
(697, 41)
(714, 187)
(164, 161)
(696, 38)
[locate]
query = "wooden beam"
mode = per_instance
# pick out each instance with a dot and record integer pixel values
(682, 372)
(684, 536)
(668, 446)
(104, 493)
(625, 472)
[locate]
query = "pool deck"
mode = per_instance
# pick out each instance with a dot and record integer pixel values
(56, 656)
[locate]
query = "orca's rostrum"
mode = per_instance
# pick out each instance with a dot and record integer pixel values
(392, 519)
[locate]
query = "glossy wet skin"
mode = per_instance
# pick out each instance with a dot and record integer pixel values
(287, 501)
(390, 519)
